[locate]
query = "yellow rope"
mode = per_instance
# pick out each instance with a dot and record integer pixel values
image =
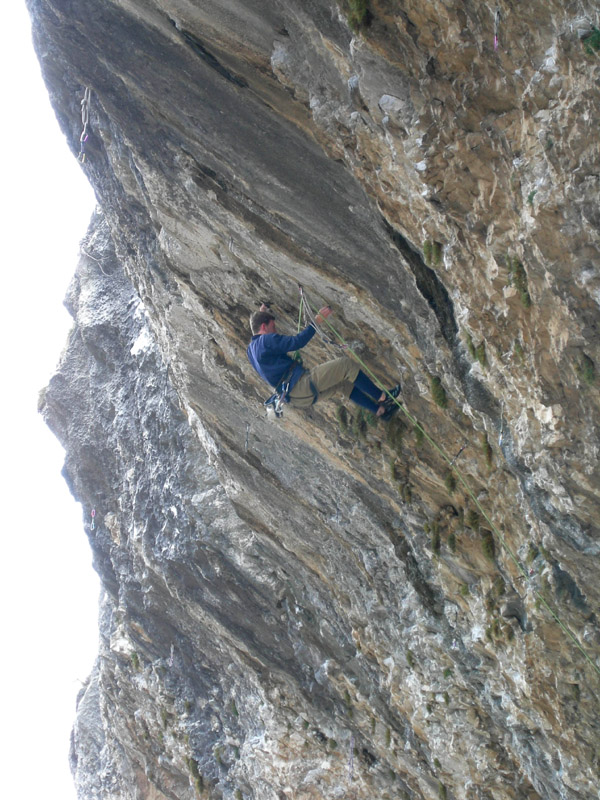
(469, 491)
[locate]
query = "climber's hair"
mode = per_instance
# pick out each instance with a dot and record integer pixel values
(258, 319)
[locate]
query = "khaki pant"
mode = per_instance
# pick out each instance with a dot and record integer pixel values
(328, 378)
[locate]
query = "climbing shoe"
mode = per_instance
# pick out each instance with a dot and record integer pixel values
(393, 392)
(390, 410)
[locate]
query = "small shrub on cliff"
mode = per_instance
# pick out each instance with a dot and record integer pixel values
(586, 369)
(487, 545)
(197, 778)
(358, 13)
(481, 355)
(432, 253)
(405, 492)
(438, 392)
(419, 435)
(472, 520)
(591, 42)
(450, 482)
(487, 450)
(518, 279)
(436, 540)
(342, 417)
(395, 434)
(359, 425)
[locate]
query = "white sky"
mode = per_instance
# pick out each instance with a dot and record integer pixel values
(48, 590)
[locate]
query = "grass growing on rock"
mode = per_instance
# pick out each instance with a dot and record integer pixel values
(341, 414)
(591, 42)
(358, 13)
(487, 450)
(518, 279)
(450, 482)
(487, 545)
(586, 370)
(438, 392)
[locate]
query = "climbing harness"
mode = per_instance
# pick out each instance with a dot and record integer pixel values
(521, 569)
(85, 118)
(275, 403)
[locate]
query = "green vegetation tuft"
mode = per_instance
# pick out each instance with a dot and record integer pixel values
(395, 434)
(135, 661)
(586, 369)
(442, 793)
(195, 773)
(370, 418)
(452, 542)
(427, 251)
(518, 279)
(518, 350)
(405, 492)
(471, 347)
(464, 590)
(472, 520)
(341, 414)
(438, 392)
(481, 355)
(419, 435)
(487, 450)
(410, 659)
(487, 545)
(436, 539)
(591, 42)
(432, 253)
(447, 673)
(450, 481)
(359, 425)
(531, 196)
(358, 14)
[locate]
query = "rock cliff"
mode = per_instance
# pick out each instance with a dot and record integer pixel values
(324, 607)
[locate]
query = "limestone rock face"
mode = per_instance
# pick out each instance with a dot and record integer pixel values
(325, 607)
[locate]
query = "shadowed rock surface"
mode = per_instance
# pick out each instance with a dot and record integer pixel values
(324, 607)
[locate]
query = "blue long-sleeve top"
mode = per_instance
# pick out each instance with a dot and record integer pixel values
(267, 353)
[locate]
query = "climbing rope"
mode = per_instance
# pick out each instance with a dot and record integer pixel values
(452, 466)
(305, 306)
(85, 118)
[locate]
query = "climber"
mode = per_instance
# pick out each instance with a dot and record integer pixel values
(300, 387)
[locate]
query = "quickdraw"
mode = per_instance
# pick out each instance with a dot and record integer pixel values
(85, 118)
(275, 403)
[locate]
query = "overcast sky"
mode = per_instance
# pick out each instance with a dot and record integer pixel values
(49, 592)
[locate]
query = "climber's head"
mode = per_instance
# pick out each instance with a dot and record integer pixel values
(262, 322)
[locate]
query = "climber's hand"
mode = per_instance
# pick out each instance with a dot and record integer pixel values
(323, 314)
